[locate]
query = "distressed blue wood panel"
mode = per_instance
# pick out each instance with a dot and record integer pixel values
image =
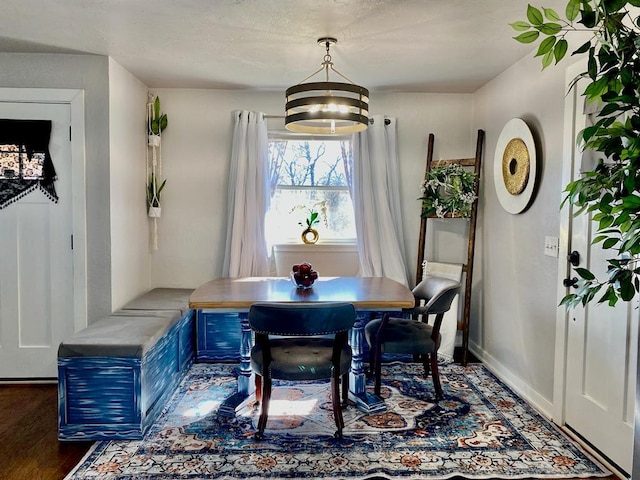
(99, 388)
(219, 337)
(186, 345)
(119, 398)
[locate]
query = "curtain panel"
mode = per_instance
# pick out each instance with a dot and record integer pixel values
(376, 201)
(248, 198)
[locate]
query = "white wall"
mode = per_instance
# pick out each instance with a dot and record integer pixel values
(130, 250)
(514, 292)
(197, 146)
(90, 73)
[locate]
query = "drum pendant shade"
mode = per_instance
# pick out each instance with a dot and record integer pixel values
(327, 108)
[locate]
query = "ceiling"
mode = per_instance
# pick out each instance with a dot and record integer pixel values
(435, 46)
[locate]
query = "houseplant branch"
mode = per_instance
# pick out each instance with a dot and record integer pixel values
(611, 192)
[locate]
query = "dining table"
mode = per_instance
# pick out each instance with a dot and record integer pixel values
(229, 299)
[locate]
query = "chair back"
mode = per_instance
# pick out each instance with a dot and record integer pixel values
(301, 319)
(437, 292)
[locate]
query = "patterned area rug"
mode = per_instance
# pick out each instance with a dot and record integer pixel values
(481, 430)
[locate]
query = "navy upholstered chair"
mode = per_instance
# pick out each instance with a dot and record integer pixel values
(310, 344)
(409, 335)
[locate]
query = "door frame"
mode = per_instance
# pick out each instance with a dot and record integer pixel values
(75, 99)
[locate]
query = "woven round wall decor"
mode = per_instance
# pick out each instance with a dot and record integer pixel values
(514, 166)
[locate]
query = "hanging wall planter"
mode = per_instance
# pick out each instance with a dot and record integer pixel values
(155, 212)
(156, 124)
(153, 140)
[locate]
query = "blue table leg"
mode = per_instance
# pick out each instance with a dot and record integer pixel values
(246, 384)
(366, 402)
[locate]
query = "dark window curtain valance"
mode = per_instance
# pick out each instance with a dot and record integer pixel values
(25, 162)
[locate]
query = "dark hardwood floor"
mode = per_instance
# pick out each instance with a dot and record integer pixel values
(29, 446)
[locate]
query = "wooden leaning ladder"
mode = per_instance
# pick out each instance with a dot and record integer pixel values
(467, 268)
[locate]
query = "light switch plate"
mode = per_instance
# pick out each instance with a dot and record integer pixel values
(551, 246)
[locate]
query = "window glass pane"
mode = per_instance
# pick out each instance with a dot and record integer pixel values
(310, 175)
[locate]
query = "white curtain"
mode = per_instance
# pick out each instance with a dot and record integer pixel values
(376, 201)
(248, 199)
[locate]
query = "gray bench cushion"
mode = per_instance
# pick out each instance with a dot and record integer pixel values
(122, 334)
(162, 299)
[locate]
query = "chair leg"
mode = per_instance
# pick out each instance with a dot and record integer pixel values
(264, 412)
(258, 384)
(436, 375)
(337, 409)
(345, 390)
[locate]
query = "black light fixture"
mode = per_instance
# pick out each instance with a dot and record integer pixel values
(327, 107)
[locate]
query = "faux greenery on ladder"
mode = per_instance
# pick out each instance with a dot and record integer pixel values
(448, 191)
(611, 192)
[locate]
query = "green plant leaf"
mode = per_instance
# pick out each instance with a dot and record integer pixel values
(560, 49)
(547, 59)
(546, 45)
(551, 14)
(534, 15)
(588, 18)
(584, 273)
(631, 202)
(595, 89)
(549, 28)
(572, 10)
(528, 37)
(520, 26)
(614, 5)
(592, 67)
(582, 48)
(156, 108)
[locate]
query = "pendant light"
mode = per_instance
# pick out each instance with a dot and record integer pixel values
(326, 107)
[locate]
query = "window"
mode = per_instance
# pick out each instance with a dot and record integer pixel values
(310, 174)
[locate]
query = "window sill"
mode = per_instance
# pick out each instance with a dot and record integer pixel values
(328, 258)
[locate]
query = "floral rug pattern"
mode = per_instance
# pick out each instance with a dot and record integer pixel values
(480, 430)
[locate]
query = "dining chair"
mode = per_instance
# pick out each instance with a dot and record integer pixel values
(409, 334)
(301, 342)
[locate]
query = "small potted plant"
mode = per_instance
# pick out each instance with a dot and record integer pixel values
(157, 123)
(153, 195)
(309, 234)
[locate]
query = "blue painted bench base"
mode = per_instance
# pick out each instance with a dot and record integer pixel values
(119, 397)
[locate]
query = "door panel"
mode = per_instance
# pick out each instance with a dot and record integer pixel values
(601, 343)
(36, 285)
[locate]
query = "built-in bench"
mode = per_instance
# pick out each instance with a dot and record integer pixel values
(115, 376)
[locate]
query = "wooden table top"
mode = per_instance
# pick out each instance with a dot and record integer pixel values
(364, 292)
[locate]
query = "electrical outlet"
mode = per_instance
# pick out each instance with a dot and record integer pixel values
(551, 246)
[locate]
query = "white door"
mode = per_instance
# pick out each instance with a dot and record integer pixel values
(601, 341)
(36, 283)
